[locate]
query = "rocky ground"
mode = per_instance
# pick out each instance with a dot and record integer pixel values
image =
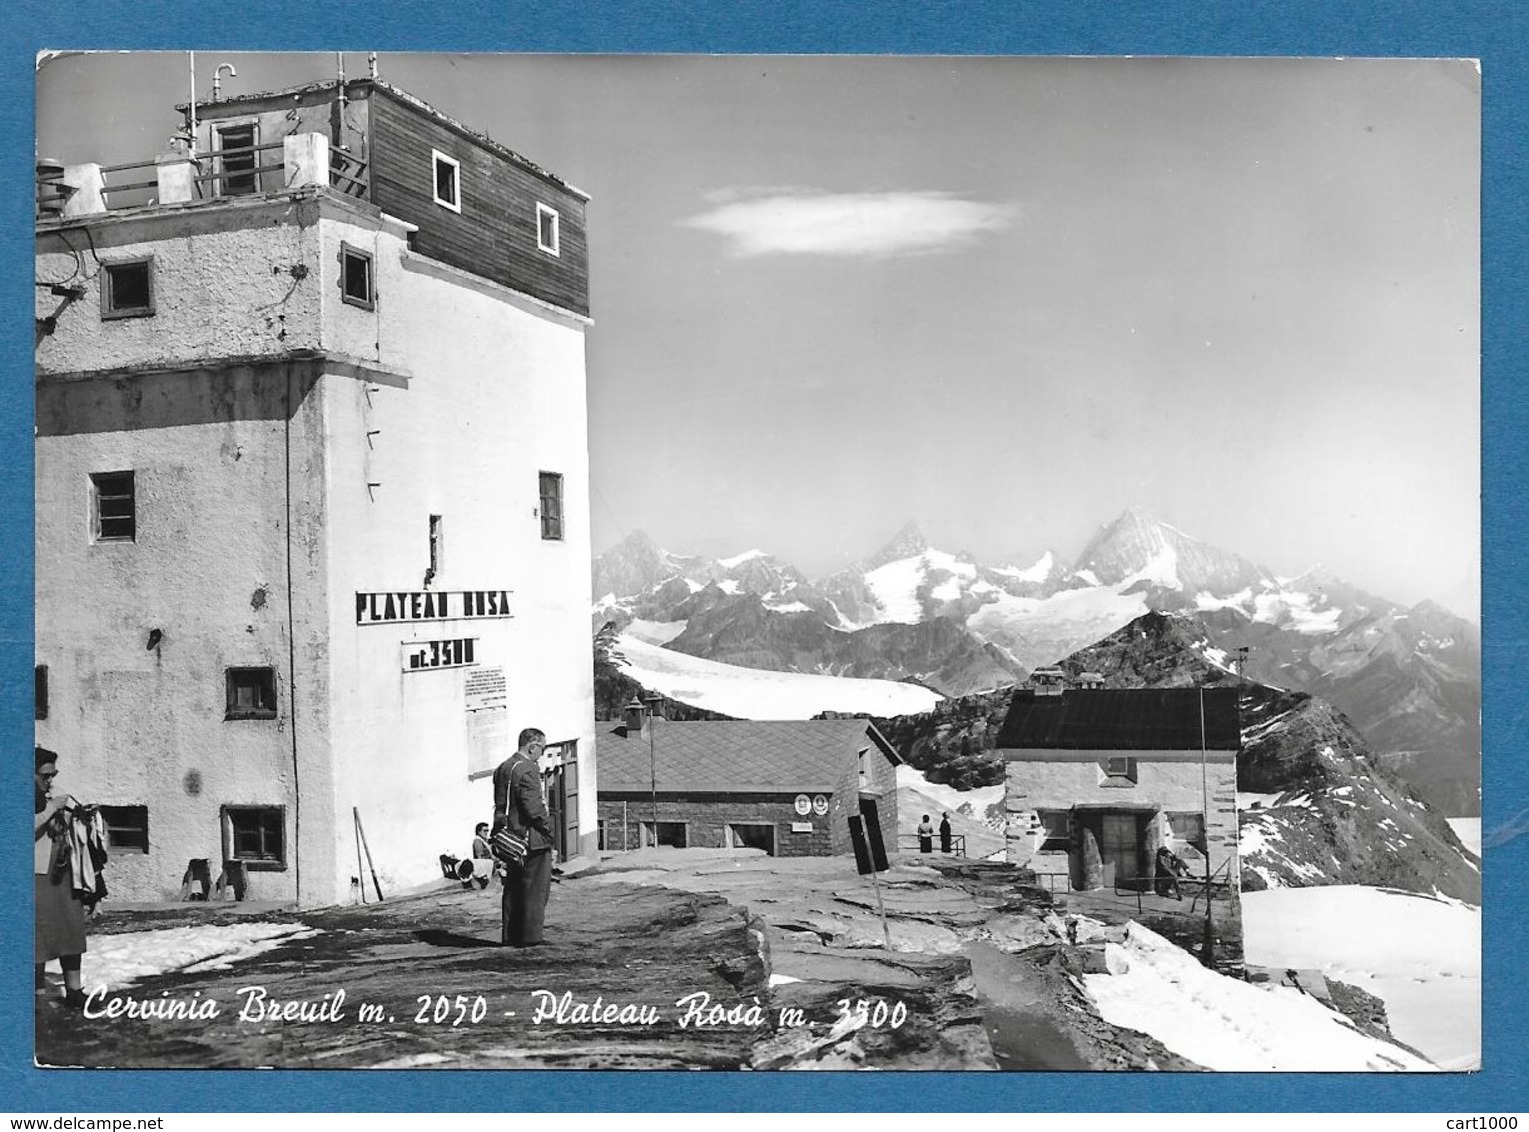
(655, 959)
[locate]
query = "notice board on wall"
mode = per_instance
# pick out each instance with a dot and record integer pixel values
(486, 704)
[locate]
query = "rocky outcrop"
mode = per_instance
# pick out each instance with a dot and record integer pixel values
(1336, 815)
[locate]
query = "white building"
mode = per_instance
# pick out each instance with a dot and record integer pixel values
(312, 481)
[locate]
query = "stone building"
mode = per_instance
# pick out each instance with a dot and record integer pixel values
(1096, 780)
(312, 528)
(787, 787)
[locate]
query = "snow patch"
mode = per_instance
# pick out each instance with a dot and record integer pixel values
(114, 961)
(751, 693)
(740, 559)
(656, 632)
(1227, 1024)
(1036, 573)
(1421, 956)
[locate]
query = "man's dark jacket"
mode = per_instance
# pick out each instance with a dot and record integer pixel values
(518, 801)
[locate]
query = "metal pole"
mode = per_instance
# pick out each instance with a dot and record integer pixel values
(360, 872)
(1208, 956)
(653, 767)
(886, 935)
(191, 111)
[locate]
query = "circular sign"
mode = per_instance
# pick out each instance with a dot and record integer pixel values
(803, 805)
(820, 804)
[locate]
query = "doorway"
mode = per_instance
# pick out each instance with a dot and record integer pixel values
(1120, 847)
(751, 835)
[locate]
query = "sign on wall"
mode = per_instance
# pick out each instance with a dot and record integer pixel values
(803, 805)
(485, 698)
(393, 607)
(422, 656)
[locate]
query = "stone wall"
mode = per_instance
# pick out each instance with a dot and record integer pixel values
(1166, 783)
(705, 815)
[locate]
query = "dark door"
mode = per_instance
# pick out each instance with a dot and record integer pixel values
(1121, 849)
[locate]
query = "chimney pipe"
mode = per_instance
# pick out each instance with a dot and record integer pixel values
(634, 716)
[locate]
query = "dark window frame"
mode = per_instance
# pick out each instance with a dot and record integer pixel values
(553, 527)
(1051, 841)
(1127, 775)
(237, 678)
(349, 253)
(111, 308)
(1202, 843)
(124, 835)
(547, 212)
(437, 160)
(240, 180)
(39, 691)
(271, 825)
(107, 487)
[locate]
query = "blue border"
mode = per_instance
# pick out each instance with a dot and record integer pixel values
(1496, 33)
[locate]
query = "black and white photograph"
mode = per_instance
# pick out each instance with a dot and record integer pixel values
(757, 562)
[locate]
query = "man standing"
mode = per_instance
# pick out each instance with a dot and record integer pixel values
(519, 805)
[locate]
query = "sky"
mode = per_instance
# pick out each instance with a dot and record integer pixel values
(1004, 298)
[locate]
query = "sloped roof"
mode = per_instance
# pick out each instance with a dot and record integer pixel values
(734, 756)
(1122, 719)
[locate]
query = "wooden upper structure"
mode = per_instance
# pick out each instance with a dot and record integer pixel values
(477, 205)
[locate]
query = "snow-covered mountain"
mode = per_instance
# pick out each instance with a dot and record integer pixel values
(1408, 678)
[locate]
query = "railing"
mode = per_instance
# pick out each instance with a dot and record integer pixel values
(910, 842)
(349, 174)
(244, 175)
(1197, 885)
(307, 160)
(117, 194)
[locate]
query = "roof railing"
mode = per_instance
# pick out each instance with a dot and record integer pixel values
(69, 191)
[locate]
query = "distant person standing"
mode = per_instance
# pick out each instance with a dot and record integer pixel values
(520, 807)
(945, 832)
(926, 835)
(59, 926)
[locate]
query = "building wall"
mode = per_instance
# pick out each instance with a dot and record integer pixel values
(494, 234)
(705, 816)
(494, 394)
(875, 776)
(260, 476)
(209, 569)
(1167, 782)
(231, 279)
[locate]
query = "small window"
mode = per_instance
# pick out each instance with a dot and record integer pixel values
(437, 546)
(552, 505)
(40, 692)
(447, 180)
(356, 277)
(546, 228)
(113, 508)
(1056, 831)
(251, 693)
(1119, 771)
(255, 835)
(127, 828)
(236, 160)
(1189, 829)
(127, 289)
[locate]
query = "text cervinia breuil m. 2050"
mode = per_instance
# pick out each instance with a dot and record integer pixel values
(394, 606)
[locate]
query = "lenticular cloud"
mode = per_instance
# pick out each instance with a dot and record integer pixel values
(850, 224)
